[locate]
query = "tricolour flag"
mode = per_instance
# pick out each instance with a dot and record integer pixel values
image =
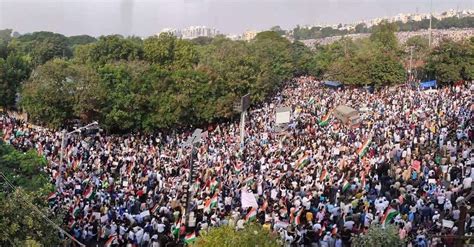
(214, 201)
(251, 215)
(110, 241)
(325, 120)
(346, 186)
(72, 224)
(207, 205)
(324, 174)
(190, 237)
(238, 167)
(298, 217)
(52, 196)
(389, 215)
(301, 162)
(214, 184)
(89, 193)
(365, 146)
(76, 212)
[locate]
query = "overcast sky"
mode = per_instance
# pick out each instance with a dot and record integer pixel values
(147, 17)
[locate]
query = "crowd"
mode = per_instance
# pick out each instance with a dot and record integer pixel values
(408, 164)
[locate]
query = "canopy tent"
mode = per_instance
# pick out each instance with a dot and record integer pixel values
(428, 84)
(333, 84)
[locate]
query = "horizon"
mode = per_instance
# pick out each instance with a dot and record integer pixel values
(145, 18)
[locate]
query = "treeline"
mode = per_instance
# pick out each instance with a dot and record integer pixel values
(130, 84)
(133, 84)
(302, 33)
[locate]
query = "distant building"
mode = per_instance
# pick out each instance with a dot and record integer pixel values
(192, 32)
(249, 35)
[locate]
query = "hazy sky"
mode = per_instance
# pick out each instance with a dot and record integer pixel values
(147, 17)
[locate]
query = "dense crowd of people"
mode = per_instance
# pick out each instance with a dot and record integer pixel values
(408, 164)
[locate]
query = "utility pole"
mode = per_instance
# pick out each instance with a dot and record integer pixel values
(242, 106)
(194, 139)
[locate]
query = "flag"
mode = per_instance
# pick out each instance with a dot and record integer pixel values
(190, 237)
(416, 165)
(214, 185)
(325, 120)
(389, 215)
(52, 196)
(72, 224)
(324, 174)
(310, 101)
(365, 146)
(89, 193)
(251, 215)
(207, 205)
(76, 212)
(110, 241)
(214, 201)
(238, 167)
(301, 162)
(155, 208)
(346, 185)
(298, 217)
(362, 179)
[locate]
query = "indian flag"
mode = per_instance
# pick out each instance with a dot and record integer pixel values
(89, 193)
(155, 209)
(301, 162)
(325, 120)
(298, 217)
(365, 146)
(238, 167)
(389, 215)
(324, 174)
(251, 215)
(52, 196)
(190, 237)
(110, 241)
(207, 205)
(346, 186)
(214, 184)
(214, 201)
(76, 212)
(72, 224)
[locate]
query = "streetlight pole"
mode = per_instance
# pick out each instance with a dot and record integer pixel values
(431, 15)
(65, 135)
(192, 141)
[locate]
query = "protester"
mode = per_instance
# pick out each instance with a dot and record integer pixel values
(408, 163)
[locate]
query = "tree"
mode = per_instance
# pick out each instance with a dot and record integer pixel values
(114, 48)
(160, 49)
(48, 96)
(251, 235)
(13, 71)
(383, 35)
(80, 40)
(378, 236)
(20, 225)
(452, 61)
(43, 46)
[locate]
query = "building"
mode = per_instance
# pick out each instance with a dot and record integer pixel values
(249, 35)
(192, 32)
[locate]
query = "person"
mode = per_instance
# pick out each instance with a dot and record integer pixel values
(329, 177)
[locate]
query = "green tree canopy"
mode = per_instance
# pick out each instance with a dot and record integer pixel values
(252, 235)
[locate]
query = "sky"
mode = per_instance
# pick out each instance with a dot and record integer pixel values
(148, 17)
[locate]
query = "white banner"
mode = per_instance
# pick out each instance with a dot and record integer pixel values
(248, 200)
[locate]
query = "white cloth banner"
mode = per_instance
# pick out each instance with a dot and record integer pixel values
(448, 223)
(248, 200)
